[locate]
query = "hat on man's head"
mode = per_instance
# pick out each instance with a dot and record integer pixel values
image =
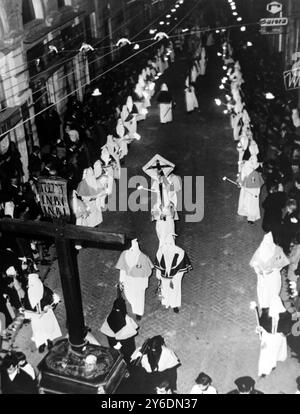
(244, 384)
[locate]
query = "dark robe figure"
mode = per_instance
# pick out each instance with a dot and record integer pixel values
(120, 329)
(273, 205)
(154, 363)
(245, 385)
(35, 162)
(15, 380)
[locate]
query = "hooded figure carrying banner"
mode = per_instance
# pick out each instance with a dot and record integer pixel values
(165, 185)
(171, 264)
(164, 99)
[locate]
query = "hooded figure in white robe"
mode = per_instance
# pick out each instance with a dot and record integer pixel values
(144, 88)
(267, 261)
(89, 192)
(275, 324)
(129, 121)
(250, 181)
(164, 99)
(104, 183)
(202, 62)
(193, 74)
(164, 210)
(139, 102)
(171, 52)
(171, 264)
(44, 324)
(135, 269)
(150, 75)
(191, 100)
(110, 155)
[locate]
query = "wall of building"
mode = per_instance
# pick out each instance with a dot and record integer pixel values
(31, 77)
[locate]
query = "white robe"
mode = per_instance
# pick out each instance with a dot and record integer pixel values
(273, 348)
(134, 291)
(44, 326)
(168, 359)
(202, 64)
(194, 74)
(165, 112)
(249, 203)
(95, 214)
(268, 287)
(128, 331)
(171, 297)
(191, 100)
(164, 228)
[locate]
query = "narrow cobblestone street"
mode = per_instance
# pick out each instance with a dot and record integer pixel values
(215, 329)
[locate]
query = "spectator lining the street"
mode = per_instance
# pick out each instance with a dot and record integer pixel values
(245, 385)
(203, 385)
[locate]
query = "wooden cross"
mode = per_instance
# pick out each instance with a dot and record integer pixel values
(64, 235)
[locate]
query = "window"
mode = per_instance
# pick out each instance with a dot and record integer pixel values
(63, 3)
(27, 11)
(31, 10)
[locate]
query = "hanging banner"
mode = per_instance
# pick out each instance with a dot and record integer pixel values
(292, 79)
(53, 197)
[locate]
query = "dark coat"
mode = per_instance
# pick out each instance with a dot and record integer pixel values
(22, 384)
(273, 205)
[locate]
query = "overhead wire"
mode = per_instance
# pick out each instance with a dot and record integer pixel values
(100, 57)
(63, 51)
(107, 71)
(96, 59)
(61, 63)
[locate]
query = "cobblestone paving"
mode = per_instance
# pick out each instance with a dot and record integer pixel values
(215, 329)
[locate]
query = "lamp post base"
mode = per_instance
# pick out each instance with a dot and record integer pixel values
(65, 371)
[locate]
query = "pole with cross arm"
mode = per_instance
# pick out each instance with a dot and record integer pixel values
(64, 235)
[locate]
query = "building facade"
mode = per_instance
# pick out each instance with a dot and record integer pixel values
(41, 62)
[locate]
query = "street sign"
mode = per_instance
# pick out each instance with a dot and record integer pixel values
(274, 21)
(274, 7)
(53, 197)
(292, 79)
